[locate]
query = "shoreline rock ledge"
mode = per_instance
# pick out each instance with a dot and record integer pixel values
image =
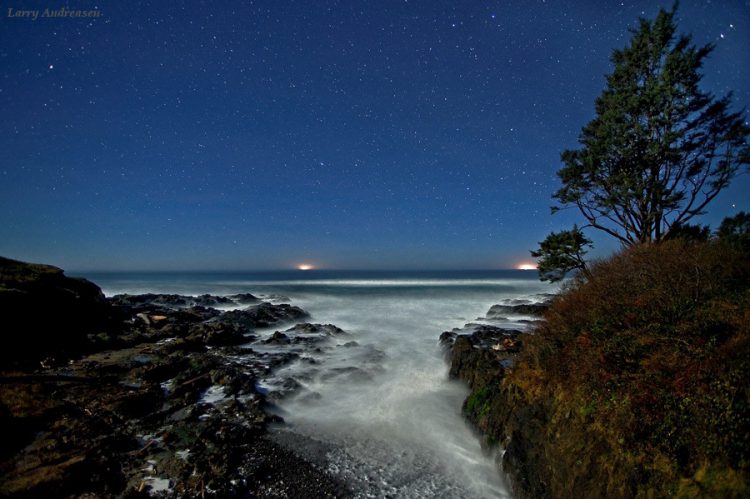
(138, 396)
(481, 355)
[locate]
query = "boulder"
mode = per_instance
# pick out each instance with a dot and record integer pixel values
(216, 334)
(154, 301)
(278, 338)
(244, 298)
(500, 311)
(44, 312)
(212, 301)
(263, 315)
(481, 356)
(320, 329)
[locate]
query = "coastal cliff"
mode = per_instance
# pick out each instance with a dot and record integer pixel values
(634, 385)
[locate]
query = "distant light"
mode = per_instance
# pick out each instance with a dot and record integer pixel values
(305, 266)
(526, 266)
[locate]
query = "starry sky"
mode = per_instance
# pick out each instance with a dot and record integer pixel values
(345, 134)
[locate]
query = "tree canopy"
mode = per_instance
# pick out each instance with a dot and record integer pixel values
(659, 149)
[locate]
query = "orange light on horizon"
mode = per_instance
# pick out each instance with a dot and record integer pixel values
(526, 266)
(305, 266)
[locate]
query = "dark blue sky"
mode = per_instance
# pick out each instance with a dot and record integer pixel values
(351, 134)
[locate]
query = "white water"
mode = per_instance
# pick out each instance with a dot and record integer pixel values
(394, 426)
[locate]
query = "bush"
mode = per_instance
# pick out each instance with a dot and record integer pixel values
(651, 353)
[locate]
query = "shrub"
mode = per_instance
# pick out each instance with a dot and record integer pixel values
(653, 349)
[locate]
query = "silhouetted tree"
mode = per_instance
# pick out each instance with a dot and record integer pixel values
(560, 253)
(689, 232)
(735, 231)
(659, 149)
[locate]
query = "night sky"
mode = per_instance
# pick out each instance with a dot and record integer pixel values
(353, 134)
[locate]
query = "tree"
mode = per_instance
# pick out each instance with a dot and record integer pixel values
(689, 232)
(735, 231)
(561, 253)
(659, 149)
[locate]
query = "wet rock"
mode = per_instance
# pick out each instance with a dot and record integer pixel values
(263, 315)
(212, 301)
(168, 402)
(482, 355)
(216, 334)
(323, 329)
(289, 386)
(307, 334)
(500, 311)
(149, 300)
(447, 338)
(278, 338)
(244, 298)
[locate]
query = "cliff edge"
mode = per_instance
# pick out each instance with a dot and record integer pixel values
(634, 385)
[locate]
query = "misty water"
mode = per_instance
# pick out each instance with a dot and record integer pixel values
(375, 407)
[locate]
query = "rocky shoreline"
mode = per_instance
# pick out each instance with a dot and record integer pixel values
(481, 355)
(172, 395)
(145, 395)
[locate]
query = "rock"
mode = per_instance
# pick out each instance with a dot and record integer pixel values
(499, 312)
(151, 300)
(482, 355)
(173, 301)
(47, 313)
(156, 406)
(310, 334)
(244, 298)
(263, 315)
(212, 301)
(216, 334)
(323, 329)
(278, 338)
(447, 339)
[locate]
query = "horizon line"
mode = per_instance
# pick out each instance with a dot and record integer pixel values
(287, 269)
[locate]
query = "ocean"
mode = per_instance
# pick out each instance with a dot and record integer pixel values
(378, 410)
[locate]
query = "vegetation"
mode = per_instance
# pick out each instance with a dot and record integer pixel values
(642, 370)
(735, 231)
(659, 149)
(560, 253)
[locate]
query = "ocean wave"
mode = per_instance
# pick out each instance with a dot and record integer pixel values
(380, 282)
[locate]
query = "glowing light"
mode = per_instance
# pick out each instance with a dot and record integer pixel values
(526, 266)
(305, 266)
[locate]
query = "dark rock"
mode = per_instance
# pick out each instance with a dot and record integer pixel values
(263, 315)
(307, 328)
(447, 339)
(212, 301)
(499, 312)
(278, 338)
(47, 313)
(154, 301)
(289, 386)
(311, 334)
(216, 334)
(526, 448)
(147, 300)
(244, 298)
(103, 425)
